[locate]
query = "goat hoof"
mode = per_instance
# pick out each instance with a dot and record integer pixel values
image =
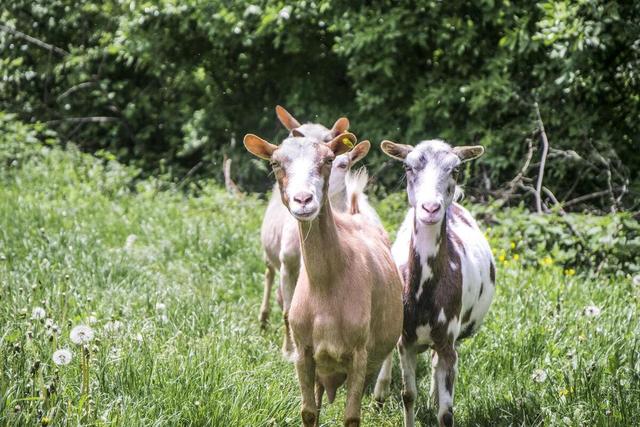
(447, 419)
(308, 418)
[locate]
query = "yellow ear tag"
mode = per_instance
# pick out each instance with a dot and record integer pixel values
(346, 141)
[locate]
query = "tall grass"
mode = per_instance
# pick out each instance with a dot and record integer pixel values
(183, 274)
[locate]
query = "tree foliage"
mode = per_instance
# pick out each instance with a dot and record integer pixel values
(171, 85)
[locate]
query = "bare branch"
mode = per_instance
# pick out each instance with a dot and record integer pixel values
(75, 88)
(586, 197)
(98, 119)
(189, 174)
(34, 40)
(543, 159)
(228, 182)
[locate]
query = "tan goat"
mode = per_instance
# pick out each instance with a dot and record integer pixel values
(346, 312)
(279, 232)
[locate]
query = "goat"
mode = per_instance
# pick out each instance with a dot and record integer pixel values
(279, 231)
(346, 312)
(447, 267)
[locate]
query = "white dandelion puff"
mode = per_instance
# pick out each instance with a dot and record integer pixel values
(92, 320)
(161, 307)
(636, 280)
(591, 311)
(539, 375)
(81, 334)
(38, 313)
(139, 338)
(62, 357)
(164, 319)
(112, 327)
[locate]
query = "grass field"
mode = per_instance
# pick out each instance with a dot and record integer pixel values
(174, 310)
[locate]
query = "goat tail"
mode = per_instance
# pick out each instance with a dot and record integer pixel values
(356, 183)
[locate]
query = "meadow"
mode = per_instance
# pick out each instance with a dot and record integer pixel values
(169, 278)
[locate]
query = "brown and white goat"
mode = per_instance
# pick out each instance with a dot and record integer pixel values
(447, 267)
(279, 232)
(346, 312)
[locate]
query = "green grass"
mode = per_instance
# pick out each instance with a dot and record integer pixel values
(64, 221)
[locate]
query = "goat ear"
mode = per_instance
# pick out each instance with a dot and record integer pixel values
(395, 151)
(286, 118)
(359, 152)
(296, 132)
(342, 143)
(258, 146)
(469, 152)
(340, 126)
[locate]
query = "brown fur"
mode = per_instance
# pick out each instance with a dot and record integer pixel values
(346, 313)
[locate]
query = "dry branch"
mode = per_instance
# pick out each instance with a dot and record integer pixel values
(543, 159)
(33, 40)
(228, 182)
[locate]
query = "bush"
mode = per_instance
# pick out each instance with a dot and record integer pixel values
(581, 243)
(171, 85)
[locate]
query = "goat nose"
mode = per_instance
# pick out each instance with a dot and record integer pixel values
(303, 198)
(431, 207)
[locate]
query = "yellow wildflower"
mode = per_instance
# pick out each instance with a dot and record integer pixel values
(501, 258)
(563, 392)
(547, 260)
(513, 245)
(570, 272)
(516, 257)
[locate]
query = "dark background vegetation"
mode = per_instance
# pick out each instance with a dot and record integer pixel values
(171, 87)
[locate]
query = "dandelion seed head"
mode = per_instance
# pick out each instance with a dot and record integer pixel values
(38, 313)
(81, 334)
(539, 375)
(636, 280)
(112, 327)
(62, 357)
(164, 319)
(161, 307)
(591, 311)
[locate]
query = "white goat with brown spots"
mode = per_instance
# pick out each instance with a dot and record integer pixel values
(279, 232)
(447, 267)
(346, 312)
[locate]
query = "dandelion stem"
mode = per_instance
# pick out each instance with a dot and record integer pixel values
(85, 370)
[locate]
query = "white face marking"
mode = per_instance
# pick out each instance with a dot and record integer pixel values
(442, 318)
(298, 158)
(453, 266)
(430, 181)
(316, 131)
(339, 169)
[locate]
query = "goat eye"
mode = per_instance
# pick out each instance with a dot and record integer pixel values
(408, 168)
(275, 165)
(455, 172)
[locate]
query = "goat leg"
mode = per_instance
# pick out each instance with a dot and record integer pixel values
(355, 386)
(306, 370)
